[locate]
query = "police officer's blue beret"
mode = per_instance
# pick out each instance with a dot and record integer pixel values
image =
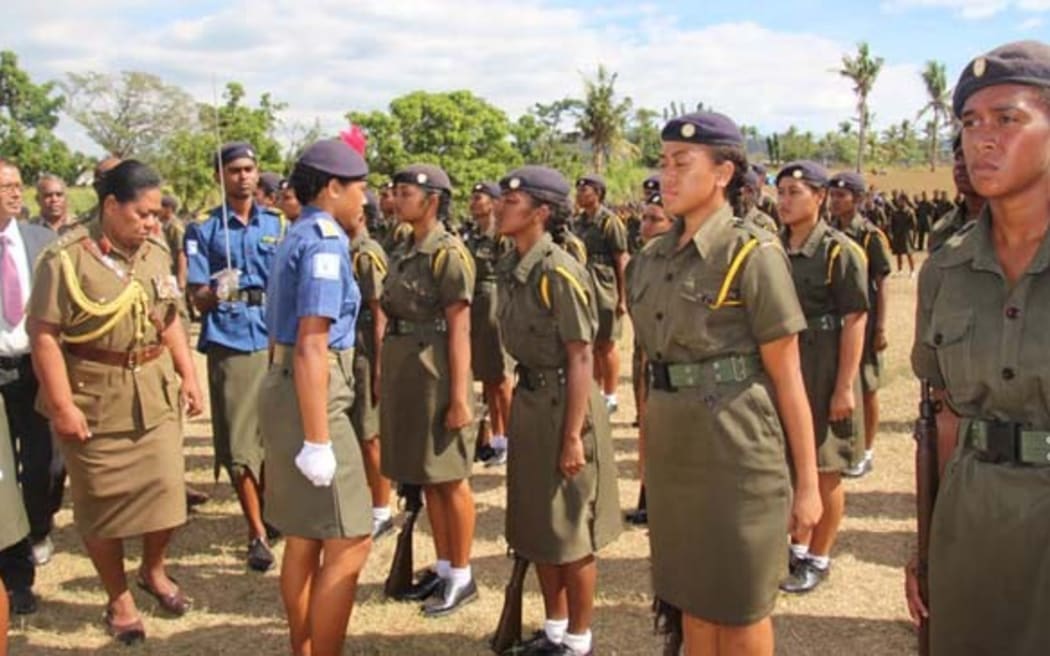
(850, 181)
(424, 175)
(335, 157)
(651, 184)
(491, 189)
(709, 128)
(752, 181)
(592, 180)
(270, 182)
(805, 170)
(655, 198)
(233, 151)
(1020, 62)
(540, 182)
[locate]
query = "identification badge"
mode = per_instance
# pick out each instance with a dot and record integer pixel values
(191, 247)
(326, 266)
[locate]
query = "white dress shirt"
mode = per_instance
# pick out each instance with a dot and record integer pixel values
(14, 340)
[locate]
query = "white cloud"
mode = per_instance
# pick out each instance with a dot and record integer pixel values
(968, 9)
(340, 56)
(1030, 24)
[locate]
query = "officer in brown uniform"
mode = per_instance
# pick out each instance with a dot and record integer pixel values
(846, 191)
(766, 202)
(370, 266)
(749, 210)
(488, 357)
(111, 353)
(831, 279)
(287, 203)
(605, 238)
(557, 517)
(901, 219)
(426, 362)
(980, 343)
(717, 314)
(973, 204)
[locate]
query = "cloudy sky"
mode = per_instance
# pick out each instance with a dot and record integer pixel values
(768, 63)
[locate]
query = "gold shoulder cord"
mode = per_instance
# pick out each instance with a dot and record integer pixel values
(132, 299)
(731, 275)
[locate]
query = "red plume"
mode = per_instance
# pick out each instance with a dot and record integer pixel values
(355, 138)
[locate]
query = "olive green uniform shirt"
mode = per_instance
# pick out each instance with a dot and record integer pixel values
(604, 237)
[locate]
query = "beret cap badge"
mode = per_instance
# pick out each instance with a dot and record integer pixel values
(688, 130)
(797, 174)
(421, 178)
(514, 183)
(979, 66)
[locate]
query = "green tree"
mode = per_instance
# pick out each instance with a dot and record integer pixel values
(862, 70)
(458, 131)
(938, 106)
(128, 115)
(644, 133)
(602, 119)
(28, 115)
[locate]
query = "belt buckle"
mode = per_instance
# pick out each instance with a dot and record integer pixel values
(132, 362)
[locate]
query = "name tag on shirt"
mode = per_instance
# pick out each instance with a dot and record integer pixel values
(326, 266)
(191, 247)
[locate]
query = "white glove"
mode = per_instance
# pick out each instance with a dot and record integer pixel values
(227, 283)
(317, 463)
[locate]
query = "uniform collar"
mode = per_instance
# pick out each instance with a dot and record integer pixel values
(539, 250)
(598, 214)
(431, 241)
(709, 233)
(254, 214)
(108, 248)
(813, 240)
(977, 246)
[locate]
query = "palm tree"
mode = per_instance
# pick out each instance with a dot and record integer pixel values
(939, 105)
(862, 70)
(602, 118)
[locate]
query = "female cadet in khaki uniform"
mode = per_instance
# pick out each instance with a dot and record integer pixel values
(107, 344)
(716, 312)
(562, 503)
(315, 483)
(14, 525)
(426, 380)
(830, 276)
(488, 357)
(981, 343)
(369, 266)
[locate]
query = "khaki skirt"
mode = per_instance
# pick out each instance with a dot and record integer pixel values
(129, 483)
(990, 559)
(293, 504)
(719, 496)
(234, 378)
(838, 446)
(488, 358)
(13, 522)
(551, 519)
(416, 448)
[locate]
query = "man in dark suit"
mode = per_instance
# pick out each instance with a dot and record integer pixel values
(20, 245)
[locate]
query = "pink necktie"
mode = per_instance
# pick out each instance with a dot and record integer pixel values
(14, 305)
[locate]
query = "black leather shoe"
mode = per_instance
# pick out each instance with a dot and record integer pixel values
(484, 453)
(428, 585)
(22, 601)
(452, 599)
(273, 534)
(804, 577)
(639, 517)
(381, 529)
(260, 558)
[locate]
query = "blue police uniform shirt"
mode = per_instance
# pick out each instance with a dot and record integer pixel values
(235, 325)
(312, 277)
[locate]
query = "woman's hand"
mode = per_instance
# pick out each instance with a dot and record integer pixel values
(842, 404)
(458, 415)
(192, 398)
(805, 513)
(572, 457)
(916, 605)
(69, 423)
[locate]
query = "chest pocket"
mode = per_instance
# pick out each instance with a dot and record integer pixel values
(952, 336)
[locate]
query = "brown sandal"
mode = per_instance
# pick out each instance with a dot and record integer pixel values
(126, 634)
(175, 603)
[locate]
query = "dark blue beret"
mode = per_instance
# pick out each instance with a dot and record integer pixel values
(849, 180)
(805, 170)
(389, 184)
(335, 157)
(234, 150)
(1020, 62)
(370, 198)
(270, 182)
(760, 170)
(652, 183)
(540, 182)
(655, 198)
(489, 188)
(592, 180)
(752, 181)
(709, 128)
(424, 175)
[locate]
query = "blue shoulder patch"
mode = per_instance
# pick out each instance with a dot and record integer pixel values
(328, 229)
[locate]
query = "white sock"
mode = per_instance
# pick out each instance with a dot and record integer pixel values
(444, 569)
(555, 630)
(800, 551)
(381, 514)
(581, 644)
(820, 562)
(611, 398)
(868, 454)
(498, 442)
(459, 576)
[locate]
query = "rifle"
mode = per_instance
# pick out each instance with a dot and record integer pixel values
(927, 480)
(399, 581)
(667, 621)
(508, 631)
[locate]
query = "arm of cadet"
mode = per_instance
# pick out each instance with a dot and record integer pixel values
(181, 269)
(457, 316)
(310, 375)
(378, 330)
(203, 297)
(880, 315)
(947, 429)
(620, 265)
(781, 361)
(577, 391)
(67, 420)
(174, 337)
(851, 348)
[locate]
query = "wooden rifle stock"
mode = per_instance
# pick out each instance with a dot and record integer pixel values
(927, 480)
(399, 581)
(508, 631)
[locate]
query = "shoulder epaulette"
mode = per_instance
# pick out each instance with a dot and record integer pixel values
(543, 285)
(328, 229)
(450, 243)
(159, 241)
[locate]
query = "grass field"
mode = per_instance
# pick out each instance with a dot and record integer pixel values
(860, 610)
